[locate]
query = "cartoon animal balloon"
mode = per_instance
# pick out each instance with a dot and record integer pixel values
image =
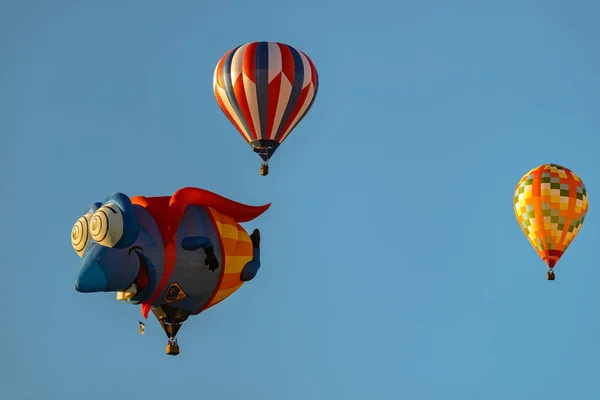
(175, 255)
(550, 204)
(265, 89)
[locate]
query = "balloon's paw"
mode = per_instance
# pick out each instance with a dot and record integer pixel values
(212, 262)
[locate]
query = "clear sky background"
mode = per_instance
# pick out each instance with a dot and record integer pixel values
(392, 263)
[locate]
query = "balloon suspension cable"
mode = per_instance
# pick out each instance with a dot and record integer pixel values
(265, 149)
(550, 275)
(171, 319)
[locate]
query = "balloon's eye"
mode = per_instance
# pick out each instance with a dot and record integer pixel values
(106, 225)
(80, 234)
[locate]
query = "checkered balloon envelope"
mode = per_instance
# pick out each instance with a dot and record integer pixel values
(550, 203)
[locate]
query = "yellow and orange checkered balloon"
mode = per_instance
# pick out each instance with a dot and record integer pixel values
(550, 203)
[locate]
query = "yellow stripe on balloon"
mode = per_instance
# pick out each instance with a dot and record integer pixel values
(236, 249)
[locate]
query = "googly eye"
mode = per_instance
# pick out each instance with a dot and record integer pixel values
(106, 225)
(80, 234)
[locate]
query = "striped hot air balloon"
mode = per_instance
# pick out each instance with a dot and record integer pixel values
(265, 89)
(550, 204)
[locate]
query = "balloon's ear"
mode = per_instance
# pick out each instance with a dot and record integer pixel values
(121, 225)
(92, 208)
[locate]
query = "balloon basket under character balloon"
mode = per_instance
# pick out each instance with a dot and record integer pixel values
(173, 348)
(170, 319)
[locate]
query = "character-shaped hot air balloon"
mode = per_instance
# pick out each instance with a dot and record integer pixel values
(265, 89)
(175, 255)
(550, 204)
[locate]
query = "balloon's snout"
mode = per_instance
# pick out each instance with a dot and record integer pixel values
(90, 278)
(103, 269)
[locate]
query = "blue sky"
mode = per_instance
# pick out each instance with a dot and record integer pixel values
(392, 263)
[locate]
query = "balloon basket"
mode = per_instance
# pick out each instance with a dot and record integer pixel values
(264, 170)
(550, 275)
(172, 349)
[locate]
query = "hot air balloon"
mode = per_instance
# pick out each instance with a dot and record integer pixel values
(550, 204)
(175, 255)
(265, 89)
